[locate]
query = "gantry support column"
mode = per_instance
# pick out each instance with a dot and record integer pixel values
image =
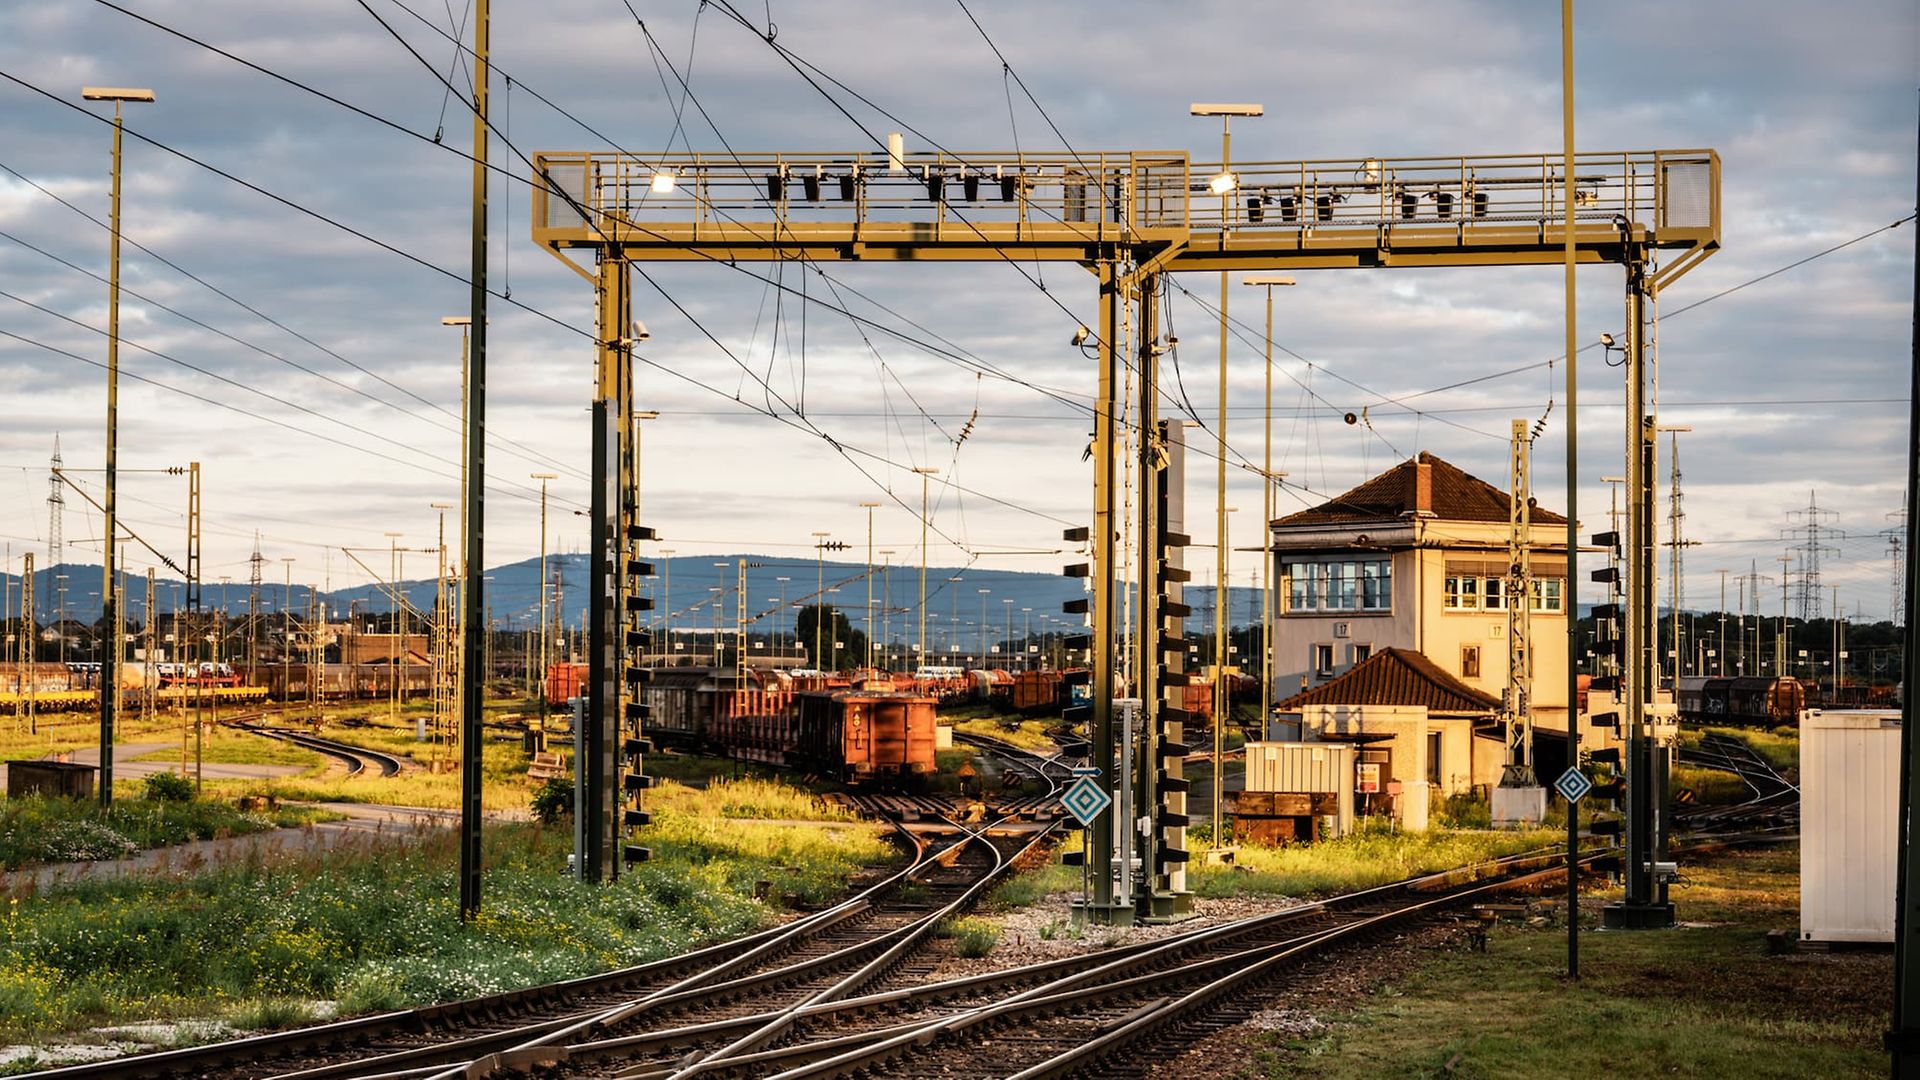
(1645, 905)
(601, 810)
(1105, 907)
(1161, 649)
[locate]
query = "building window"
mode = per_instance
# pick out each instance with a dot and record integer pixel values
(1467, 592)
(1323, 660)
(1463, 593)
(1546, 594)
(1433, 757)
(1353, 585)
(1469, 661)
(1495, 598)
(1361, 653)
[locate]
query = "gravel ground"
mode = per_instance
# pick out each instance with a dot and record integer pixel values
(1045, 931)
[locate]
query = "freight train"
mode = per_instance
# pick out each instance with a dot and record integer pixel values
(1763, 700)
(871, 733)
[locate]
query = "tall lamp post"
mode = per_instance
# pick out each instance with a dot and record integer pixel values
(1267, 508)
(540, 709)
(870, 508)
(393, 623)
(1223, 185)
(925, 473)
(983, 628)
(777, 627)
(819, 597)
(286, 633)
(110, 611)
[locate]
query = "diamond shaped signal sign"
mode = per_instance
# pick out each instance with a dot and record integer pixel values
(1085, 800)
(1573, 784)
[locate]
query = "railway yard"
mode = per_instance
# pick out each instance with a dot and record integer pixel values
(611, 539)
(962, 955)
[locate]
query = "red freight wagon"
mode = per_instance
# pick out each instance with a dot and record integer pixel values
(865, 736)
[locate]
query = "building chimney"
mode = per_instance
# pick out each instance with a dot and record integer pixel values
(1422, 488)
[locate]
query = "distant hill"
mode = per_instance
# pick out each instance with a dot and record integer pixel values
(512, 593)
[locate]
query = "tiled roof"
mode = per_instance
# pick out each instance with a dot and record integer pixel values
(1449, 493)
(1396, 677)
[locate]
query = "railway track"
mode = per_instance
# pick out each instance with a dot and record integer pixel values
(1775, 800)
(873, 935)
(1001, 1023)
(357, 759)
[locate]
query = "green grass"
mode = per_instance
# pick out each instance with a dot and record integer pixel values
(1372, 855)
(1710, 786)
(374, 924)
(971, 937)
(1026, 734)
(1706, 1002)
(40, 830)
(1780, 746)
(230, 746)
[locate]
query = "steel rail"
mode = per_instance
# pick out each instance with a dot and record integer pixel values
(284, 1044)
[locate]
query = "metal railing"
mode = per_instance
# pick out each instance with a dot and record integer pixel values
(934, 198)
(1658, 189)
(1095, 195)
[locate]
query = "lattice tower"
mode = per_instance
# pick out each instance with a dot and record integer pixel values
(56, 511)
(1811, 533)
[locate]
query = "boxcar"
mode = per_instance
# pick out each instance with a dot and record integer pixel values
(1764, 700)
(865, 737)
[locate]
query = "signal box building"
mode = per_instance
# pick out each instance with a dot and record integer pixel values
(1392, 629)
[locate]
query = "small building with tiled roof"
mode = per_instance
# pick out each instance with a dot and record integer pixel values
(1415, 560)
(1421, 731)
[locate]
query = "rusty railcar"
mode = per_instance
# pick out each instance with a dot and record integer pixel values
(863, 737)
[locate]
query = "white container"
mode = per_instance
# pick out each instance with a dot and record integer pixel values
(1849, 809)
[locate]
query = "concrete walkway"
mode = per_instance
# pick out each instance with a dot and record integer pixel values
(361, 821)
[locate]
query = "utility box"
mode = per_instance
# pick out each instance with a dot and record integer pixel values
(1849, 817)
(1296, 791)
(54, 779)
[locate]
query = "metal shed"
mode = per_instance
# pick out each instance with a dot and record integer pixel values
(1849, 811)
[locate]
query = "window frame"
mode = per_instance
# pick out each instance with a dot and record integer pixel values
(1337, 586)
(1323, 651)
(1469, 652)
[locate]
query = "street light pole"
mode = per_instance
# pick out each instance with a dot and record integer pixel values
(1224, 184)
(540, 708)
(819, 596)
(286, 633)
(110, 611)
(924, 474)
(393, 622)
(870, 508)
(1267, 510)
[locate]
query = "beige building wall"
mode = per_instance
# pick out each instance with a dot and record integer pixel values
(1410, 727)
(1419, 618)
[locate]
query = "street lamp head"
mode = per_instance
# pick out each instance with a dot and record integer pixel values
(924, 470)
(539, 476)
(441, 506)
(1267, 279)
(115, 93)
(869, 505)
(646, 414)
(1226, 108)
(456, 320)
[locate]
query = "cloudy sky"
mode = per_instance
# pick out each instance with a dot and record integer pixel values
(306, 368)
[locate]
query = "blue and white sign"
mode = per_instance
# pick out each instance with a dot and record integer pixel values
(1086, 800)
(1573, 784)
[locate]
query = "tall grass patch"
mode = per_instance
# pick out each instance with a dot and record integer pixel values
(1374, 854)
(375, 925)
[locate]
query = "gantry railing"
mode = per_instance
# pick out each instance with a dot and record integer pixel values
(1423, 211)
